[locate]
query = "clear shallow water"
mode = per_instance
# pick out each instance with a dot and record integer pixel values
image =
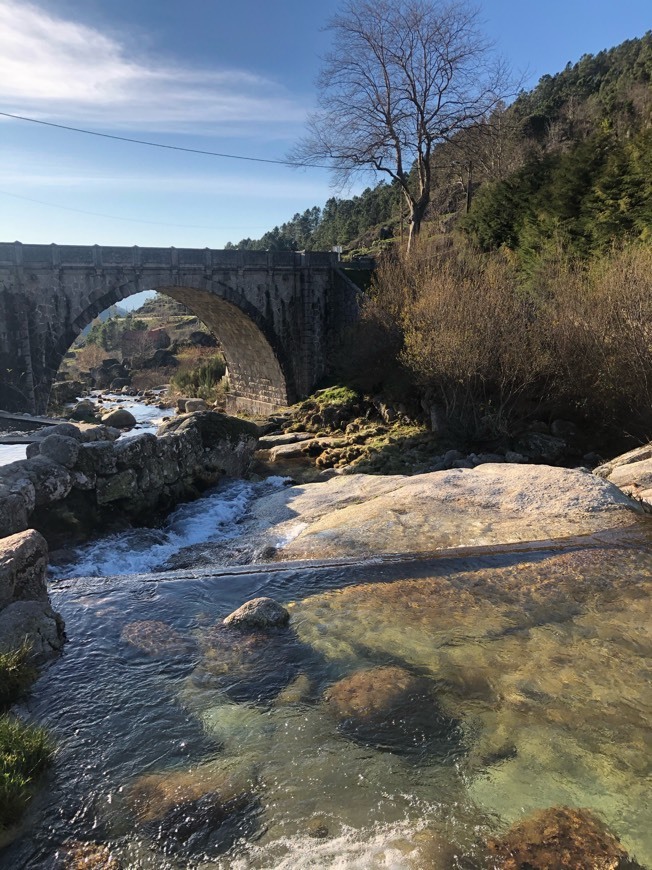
(538, 662)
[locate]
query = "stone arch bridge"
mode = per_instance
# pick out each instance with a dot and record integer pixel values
(277, 315)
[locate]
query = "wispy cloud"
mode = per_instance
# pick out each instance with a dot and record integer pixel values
(50, 66)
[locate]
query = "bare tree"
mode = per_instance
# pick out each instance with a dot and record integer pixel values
(402, 77)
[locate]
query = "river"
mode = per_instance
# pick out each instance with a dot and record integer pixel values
(534, 691)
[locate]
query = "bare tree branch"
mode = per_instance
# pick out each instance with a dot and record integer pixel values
(403, 77)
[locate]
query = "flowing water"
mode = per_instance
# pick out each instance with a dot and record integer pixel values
(530, 681)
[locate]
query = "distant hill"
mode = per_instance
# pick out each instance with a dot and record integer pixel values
(569, 162)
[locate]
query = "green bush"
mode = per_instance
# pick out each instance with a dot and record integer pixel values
(201, 381)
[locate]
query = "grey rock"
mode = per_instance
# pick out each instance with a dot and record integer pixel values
(23, 562)
(123, 485)
(61, 449)
(98, 457)
(269, 441)
(193, 405)
(51, 481)
(120, 418)
(69, 430)
(84, 411)
(36, 621)
(259, 613)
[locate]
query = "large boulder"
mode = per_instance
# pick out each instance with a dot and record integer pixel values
(120, 418)
(61, 449)
(228, 442)
(23, 562)
(361, 515)
(34, 621)
(63, 392)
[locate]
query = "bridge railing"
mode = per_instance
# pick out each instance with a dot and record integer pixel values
(17, 254)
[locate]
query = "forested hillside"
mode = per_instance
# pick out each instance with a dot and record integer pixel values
(568, 163)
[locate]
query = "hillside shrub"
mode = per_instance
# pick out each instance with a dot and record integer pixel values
(492, 352)
(200, 375)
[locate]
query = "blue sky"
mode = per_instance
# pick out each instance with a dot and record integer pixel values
(234, 77)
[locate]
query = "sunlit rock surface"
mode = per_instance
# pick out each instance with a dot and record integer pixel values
(356, 515)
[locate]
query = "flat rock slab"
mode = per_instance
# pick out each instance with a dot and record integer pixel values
(269, 441)
(359, 515)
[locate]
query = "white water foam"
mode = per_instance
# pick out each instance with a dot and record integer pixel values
(383, 846)
(213, 517)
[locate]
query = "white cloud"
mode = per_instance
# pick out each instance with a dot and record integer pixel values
(52, 67)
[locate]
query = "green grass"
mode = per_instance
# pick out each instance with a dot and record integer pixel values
(25, 752)
(201, 381)
(335, 396)
(16, 674)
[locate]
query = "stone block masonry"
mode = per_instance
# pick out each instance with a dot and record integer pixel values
(72, 486)
(276, 314)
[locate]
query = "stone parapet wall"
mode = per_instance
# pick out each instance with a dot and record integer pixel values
(70, 486)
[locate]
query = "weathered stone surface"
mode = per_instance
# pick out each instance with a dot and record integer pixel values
(269, 441)
(84, 410)
(120, 418)
(51, 481)
(156, 638)
(23, 562)
(69, 430)
(61, 449)
(190, 808)
(390, 708)
(560, 838)
(193, 405)
(131, 452)
(228, 442)
(123, 485)
(98, 457)
(36, 621)
(259, 613)
(491, 504)
(288, 451)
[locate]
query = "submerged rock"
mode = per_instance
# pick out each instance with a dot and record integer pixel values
(560, 838)
(259, 613)
(203, 809)
(249, 666)
(156, 638)
(84, 855)
(390, 708)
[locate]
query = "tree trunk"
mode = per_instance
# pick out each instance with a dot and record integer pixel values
(417, 212)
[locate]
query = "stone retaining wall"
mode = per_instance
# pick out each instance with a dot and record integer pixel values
(76, 482)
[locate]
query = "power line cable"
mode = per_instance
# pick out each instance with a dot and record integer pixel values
(131, 220)
(168, 147)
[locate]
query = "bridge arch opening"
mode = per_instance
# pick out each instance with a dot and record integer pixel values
(258, 381)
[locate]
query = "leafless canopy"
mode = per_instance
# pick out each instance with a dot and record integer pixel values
(402, 77)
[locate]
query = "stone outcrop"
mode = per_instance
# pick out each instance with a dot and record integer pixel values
(360, 515)
(25, 611)
(73, 484)
(631, 472)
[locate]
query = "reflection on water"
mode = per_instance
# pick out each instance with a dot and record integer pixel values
(409, 712)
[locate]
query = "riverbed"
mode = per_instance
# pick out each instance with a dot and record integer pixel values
(536, 667)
